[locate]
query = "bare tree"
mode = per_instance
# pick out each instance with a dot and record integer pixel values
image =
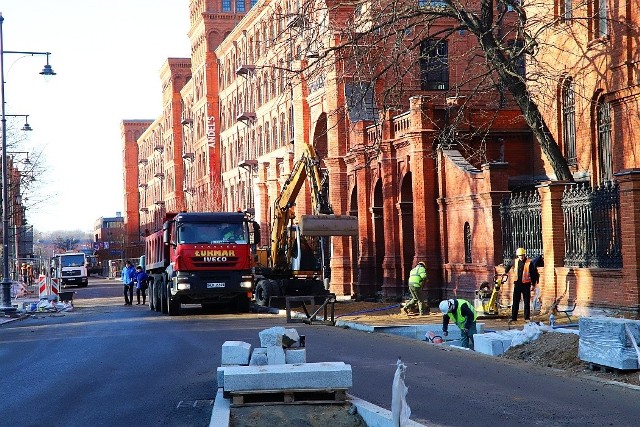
(65, 244)
(391, 48)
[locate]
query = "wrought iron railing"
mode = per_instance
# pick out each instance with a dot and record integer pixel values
(592, 226)
(521, 219)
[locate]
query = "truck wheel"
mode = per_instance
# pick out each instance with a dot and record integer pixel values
(156, 294)
(262, 293)
(164, 299)
(151, 301)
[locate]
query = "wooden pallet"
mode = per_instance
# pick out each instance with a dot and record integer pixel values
(288, 397)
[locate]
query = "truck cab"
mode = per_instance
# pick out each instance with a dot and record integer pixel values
(70, 268)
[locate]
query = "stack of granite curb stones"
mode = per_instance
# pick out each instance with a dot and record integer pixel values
(277, 366)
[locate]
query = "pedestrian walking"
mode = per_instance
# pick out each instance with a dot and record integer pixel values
(464, 315)
(417, 278)
(141, 284)
(526, 278)
(128, 275)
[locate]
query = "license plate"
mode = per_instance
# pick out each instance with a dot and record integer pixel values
(215, 285)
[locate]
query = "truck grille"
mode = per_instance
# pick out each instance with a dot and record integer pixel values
(70, 273)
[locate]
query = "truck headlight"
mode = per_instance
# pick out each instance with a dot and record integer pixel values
(246, 282)
(184, 286)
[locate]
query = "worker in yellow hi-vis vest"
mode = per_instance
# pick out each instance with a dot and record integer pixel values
(464, 315)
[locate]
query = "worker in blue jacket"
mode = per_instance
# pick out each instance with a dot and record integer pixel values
(141, 284)
(463, 314)
(128, 276)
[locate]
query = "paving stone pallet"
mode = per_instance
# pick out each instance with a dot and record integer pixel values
(306, 396)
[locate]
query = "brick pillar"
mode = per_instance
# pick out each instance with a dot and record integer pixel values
(552, 238)
(366, 286)
(341, 271)
(406, 243)
(262, 203)
(426, 218)
(497, 176)
(629, 181)
(392, 281)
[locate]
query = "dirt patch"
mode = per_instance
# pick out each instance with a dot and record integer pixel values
(556, 350)
(295, 415)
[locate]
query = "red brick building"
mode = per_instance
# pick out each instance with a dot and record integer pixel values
(224, 141)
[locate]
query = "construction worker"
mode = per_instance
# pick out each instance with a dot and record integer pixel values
(417, 277)
(526, 278)
(24, 273)
(463, 314)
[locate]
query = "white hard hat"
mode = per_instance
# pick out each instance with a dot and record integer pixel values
(446, 306)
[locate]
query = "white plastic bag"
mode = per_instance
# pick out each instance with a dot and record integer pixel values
(400, 411)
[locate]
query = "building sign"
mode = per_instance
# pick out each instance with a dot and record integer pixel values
(211, 132)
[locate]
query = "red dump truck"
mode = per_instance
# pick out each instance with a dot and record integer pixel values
(201, 258)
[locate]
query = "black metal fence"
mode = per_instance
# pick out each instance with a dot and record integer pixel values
(521, 216)
(592, 226)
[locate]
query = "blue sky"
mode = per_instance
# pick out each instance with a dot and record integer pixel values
(107, 56)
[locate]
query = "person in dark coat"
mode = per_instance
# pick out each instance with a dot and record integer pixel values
(142, 281)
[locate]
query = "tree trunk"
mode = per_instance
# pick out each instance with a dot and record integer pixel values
(505, 67)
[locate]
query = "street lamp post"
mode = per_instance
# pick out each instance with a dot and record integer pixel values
(5, 285)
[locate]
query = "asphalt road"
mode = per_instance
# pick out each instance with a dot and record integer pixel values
(125, 365)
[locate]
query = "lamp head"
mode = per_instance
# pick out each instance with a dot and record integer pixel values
(48, 71)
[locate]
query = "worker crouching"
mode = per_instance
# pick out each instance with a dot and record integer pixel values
(463, 314)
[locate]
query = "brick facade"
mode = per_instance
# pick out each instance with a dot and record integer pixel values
(237, 121)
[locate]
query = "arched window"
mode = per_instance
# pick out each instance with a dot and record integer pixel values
(267, 138)
(274, 124)
(259, 92)
(274, 81)
(467, 243)
(603, 127)
(283, 131)
(569, 121)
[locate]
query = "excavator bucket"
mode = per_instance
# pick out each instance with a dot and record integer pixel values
(328, 225)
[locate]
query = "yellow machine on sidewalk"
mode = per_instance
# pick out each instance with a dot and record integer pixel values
(487, 301)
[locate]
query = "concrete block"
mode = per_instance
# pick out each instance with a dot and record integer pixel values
(275, 355)
(220, 376)
(375, 416)
(278, 336)
(305, 376)
(272, 336)
(221, 411)
(235, 353)
(259, 357)
(295, 355)
(604, 341)
(493, 344)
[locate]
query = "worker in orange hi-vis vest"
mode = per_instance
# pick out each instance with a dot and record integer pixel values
(526, 279)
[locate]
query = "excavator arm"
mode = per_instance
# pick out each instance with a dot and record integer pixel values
(321, 223)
